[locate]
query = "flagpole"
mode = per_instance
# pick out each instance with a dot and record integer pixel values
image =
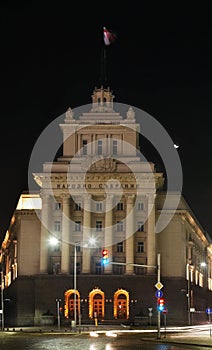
(103, 68)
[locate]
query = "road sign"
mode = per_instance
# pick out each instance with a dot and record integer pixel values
(158, 293)
(208, 311)
(159, 285)
(165, 311)
(150, 309)
(150, 314)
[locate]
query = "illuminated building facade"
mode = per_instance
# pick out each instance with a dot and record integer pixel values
(100, 195)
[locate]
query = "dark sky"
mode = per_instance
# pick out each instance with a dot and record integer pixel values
(160, 63)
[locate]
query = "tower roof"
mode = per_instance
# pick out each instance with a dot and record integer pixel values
(102, 100)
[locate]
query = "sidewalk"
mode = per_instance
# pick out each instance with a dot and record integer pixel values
(203, 339)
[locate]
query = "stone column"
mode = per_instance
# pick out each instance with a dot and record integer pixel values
(109, 232)
(65, 237)
(44, 235)
(130, 234)
(86, 254)
(151, 246)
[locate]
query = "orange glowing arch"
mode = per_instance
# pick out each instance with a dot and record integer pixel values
(91, 301)
(68, 293)
(116, 297)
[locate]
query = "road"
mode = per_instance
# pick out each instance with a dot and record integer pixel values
(112, 340)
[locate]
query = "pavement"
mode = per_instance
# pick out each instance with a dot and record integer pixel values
(201, 338)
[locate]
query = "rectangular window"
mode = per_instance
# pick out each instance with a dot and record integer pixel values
(57, 226)
(77, 206)
(98, 206)
(78, 268)
(98, 226)
(98, 268)
(115, 147)
(140, 226)
(55, 264)
(85, 147)
(118, 269)
(77, 226)
(120, 226)
(57, 206)
(140, 247)
(99, 147)
(120, 247)
(120, 206)
(77, 244)
(140, 206)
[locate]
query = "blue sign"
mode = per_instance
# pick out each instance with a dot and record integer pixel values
(158, 293)
(208, 311)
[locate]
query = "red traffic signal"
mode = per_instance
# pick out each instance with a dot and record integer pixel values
(161, 304)
(104, 256)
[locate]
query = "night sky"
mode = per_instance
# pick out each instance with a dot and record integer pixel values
(160, 63)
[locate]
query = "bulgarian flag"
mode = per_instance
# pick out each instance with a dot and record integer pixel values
(109, 36)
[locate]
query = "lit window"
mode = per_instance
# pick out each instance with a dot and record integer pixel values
(78, 226)
(98, 206)
(140, 206)
(77, 206)
(99, 147)
(57, 206)
(98, 226)
(140, 247)
(120, 247)
(201, 280)
(84, 145)
(140, 226)
(120, 226)
(115, 147)
(57, 226)
(120, 206)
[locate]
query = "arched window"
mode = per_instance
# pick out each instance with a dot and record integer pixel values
(96, 304)
(121, 304)
(69, 303)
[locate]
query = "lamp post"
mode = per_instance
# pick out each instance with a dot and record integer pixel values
(75, 283)
(58, 312)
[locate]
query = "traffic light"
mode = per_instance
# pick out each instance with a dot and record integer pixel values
(104, 257)
(161, 304)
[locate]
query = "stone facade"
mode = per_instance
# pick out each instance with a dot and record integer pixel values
(100, 195)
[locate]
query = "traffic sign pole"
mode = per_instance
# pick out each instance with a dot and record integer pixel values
(158, 275)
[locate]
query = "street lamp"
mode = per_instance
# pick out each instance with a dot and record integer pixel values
(75, 282)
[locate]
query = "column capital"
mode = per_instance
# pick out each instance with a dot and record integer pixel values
(86, 197)
(45, 198)
(109, 197)
(65, 198)
(130, 199)
(151, 198)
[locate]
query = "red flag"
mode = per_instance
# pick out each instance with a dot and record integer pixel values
(109, 36)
